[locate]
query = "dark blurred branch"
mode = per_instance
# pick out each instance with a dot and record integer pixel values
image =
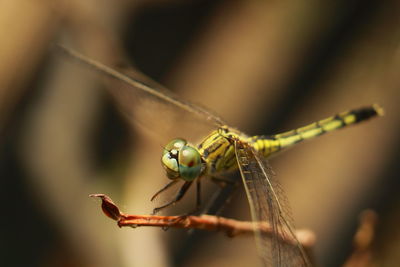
(205, 222)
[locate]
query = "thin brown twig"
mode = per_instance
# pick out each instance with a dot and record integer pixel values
(363, 241)
(205, 222)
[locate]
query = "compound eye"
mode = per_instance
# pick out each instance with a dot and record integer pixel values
(170, 165)
(189, 163)
(175, 144)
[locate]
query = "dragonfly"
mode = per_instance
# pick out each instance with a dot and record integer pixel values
(226, 149)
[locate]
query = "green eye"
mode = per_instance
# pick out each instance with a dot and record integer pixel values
(175, 144)
(189, 163)
(169, 157)
(181, 160)
(171, 166)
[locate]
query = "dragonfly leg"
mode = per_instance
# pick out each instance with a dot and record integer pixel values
(198, 201)
(221, 197)
(163, 189)
(198, 194)
(178, 197)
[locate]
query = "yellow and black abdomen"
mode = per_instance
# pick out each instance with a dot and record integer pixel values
(269, 145)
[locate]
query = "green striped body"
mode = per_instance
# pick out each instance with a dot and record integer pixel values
(218, 151)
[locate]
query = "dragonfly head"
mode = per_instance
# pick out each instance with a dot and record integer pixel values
(181, 160)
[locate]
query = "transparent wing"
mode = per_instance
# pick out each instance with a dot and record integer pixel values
(269, 204)
(148, 104)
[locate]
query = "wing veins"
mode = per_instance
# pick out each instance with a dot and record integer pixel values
(166, 95)
(265, 205)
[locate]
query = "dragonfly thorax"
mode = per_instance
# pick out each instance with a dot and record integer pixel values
(181, 160)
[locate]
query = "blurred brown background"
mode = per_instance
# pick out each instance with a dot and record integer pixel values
(264, 66)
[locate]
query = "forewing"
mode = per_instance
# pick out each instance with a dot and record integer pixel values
(151, 106)
(268, 204)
